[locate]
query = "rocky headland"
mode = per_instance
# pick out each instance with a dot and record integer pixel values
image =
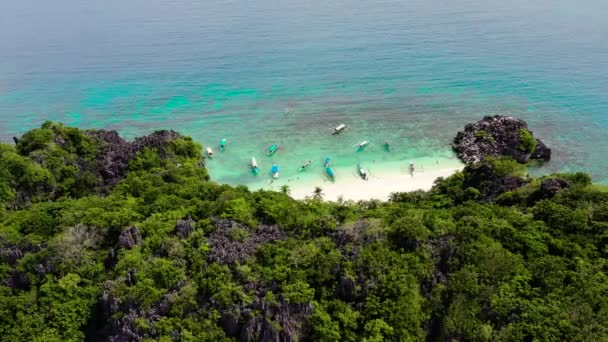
(499, 136)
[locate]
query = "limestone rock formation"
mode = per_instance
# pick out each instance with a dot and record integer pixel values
(499, 136)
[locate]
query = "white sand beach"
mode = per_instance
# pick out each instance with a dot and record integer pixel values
(384, 179)
(376, 187)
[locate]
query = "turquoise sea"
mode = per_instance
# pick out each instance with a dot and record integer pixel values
(269, 71)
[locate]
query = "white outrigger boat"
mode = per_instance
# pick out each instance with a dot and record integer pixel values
(339, 129)
(362, 172)
(254, 166)
(209, 152)
(362, 145)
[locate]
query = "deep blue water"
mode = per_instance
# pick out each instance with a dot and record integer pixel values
(265, 71)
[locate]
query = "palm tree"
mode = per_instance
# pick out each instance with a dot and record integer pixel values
(285, 189)
(318, 193)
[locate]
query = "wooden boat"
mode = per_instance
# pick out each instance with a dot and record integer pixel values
(330, 172)
(305, 165)
(326, 162)
(223, 144)
(338, 129)
(275, 171)
(209, 152)
(362, 145)
(362, 172)
(272, 149)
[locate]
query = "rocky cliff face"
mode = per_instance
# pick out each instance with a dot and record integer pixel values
(113, 161)
(499, 136)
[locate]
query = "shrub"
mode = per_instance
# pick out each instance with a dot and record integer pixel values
(527, 143)
(485, 136)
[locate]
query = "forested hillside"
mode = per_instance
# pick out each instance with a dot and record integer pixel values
(103, 239)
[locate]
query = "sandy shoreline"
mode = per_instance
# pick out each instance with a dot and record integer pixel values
(377, 187)
(384, 179)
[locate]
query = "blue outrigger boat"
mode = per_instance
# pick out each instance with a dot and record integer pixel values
(330, 172)
(275, 171)
(273, 149)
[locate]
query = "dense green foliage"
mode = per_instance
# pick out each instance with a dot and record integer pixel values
(527, 142)
(168, 255)
(485, 136)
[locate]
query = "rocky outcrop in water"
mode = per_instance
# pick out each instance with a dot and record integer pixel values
(499, 136)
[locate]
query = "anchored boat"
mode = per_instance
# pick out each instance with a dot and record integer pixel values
(275, 171)
(305, 165)
(339, 129)
(254, 166)
(362, 145)
(209, 152)
(362, 172)
(330, 172)
(272, 149)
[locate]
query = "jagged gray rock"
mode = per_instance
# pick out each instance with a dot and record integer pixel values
(549, 187)
(129, 237)
(184, 228)
(496, 136)
(113, 161)
(227, 250)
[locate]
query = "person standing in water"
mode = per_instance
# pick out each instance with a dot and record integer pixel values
(411, 168)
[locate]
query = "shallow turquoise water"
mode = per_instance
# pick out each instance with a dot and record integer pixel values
(286, 72)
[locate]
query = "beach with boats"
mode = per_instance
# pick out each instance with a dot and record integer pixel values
(365, 169)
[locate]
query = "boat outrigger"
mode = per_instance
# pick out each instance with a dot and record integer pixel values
(272, 149)
(254, 166)
(362, 172)
(223, 144)
(326, 162)
(275, 171)
(339, 129)
(305, 165)
(209, 152)
(362, 145)
(330, 172)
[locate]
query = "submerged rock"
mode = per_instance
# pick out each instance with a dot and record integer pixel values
(499, 136)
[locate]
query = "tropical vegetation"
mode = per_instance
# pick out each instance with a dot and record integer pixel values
(155, 251)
